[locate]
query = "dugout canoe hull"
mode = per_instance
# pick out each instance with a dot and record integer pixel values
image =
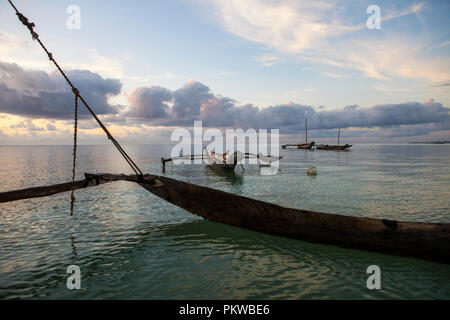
(303, 146)
(418, 239)
(334, 147)
(423, 240)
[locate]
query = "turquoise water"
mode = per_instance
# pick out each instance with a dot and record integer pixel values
(131, 244)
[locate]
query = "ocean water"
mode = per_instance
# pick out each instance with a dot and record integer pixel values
(130, 244)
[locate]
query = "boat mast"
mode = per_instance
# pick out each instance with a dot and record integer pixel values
(306, 129)
(339, 135)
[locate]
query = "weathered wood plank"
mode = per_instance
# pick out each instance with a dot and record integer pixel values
(44, 191)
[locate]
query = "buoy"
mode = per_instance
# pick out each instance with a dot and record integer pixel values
(312, 171)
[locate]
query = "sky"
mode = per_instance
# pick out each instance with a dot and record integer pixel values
(149, 67)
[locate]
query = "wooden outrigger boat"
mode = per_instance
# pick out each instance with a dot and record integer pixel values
(304, 146)
(419, 239)
(222, 161)
(334, 147)
(299, 146)
(226, 161)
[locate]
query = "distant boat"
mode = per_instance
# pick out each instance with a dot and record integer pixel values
(334, 147)
(227, 161)
(223, 161)
(305, 145)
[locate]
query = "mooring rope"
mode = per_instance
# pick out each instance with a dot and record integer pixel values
(35, 36)
(74, 159)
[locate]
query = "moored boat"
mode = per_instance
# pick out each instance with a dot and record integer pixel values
(333, 147)
(303, 146)
(227, 160)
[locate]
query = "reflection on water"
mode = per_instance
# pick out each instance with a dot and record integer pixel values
(130, 244)
(231, 176)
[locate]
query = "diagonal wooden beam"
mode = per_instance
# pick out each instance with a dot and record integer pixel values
(91, 180)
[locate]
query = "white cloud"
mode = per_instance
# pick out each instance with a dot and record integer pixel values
(334, 75)
(302, 91)
(268, 60)
(106, 66)
(318, 31)
(415, 9)
(9, 43)
(443, 44)
(18, 50)
(384, 59)
(28, 54)
(290, 26)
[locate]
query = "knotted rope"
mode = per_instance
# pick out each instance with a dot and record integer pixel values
(76, 93)
(131, 163)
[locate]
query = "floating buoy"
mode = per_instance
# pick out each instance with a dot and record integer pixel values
(312, 171)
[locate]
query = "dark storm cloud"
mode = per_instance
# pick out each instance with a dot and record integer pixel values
(150, 102)
(26, 124)
(37, 94)
(383, 115)
(50, 127)
(285, 116)
(195, 101)
(189, 98)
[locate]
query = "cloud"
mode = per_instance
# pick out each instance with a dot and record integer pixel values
(382, 115)
(294, 26)
(329, 33)
(443, 44)
(28, 125)
(268, 60)
(383, 59)
(195, 101)
(291, 26)
(149, 102)
(50, 127)
(9, 43)
(188, 99)
(104, 65)
(16, 49)
(445, 84)
(37, 94)
(415, 8)
(334, 75)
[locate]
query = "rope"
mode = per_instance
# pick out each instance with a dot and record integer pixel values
(35, 36)
(75, 133)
